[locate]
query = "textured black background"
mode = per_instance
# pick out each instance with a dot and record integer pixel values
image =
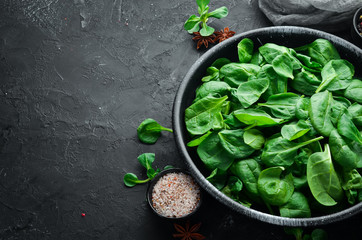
(76, 79)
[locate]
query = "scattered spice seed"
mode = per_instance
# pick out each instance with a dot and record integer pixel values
(83, 214)
(176, 199)
(223, 35)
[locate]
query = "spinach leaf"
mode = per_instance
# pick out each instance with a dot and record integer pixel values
(249, 92)
(320, 51)
(270, 51)
(256, 117)
(296, 207)
(342, 152)
(277, 83)
(232, 122)
(149, 131)
(279, 151)
(339, 106)
(213, 74)
(282, 105)
(248, 172)
(282, 64)
(257, 58)
(196, 142)
(272, 188)
(319, 112)
(323, 180)
(355, 111)
(131, 180)
(254, 138)
(218, 178)
(236, 73)
(212, 153)
(245, 50)
(354, 91)
(220, 62)
(352, 180)
(301, 108)
(307, 62)
(213, 88)
(200, 116)
(232, 141)
(347, 128)
(336, 75)
(295, 130)
(305, 82)
(232, 188)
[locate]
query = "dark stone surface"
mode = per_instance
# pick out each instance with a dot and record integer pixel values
(76, 79)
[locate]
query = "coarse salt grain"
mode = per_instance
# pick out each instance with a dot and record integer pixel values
(175, 195)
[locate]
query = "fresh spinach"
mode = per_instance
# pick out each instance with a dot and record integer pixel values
(236, 73)
(245, 50)
(323, 180)
(274, 189)
(194, 22)
(296, 207)
(282, 105)
(232, 141)
(249, 92)
(256, 117)
(254, 138)
(295, 130)
(354, 91)
(146, 160)
(149, 131)
(319, 112)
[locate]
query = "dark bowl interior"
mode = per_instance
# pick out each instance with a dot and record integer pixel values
(287, 36)
(356, 36)
(155, 180)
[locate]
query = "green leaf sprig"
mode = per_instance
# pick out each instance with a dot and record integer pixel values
(149, 131)
(195, 23)
(146, 160)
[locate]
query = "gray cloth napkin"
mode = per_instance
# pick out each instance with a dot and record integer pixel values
(328, 15)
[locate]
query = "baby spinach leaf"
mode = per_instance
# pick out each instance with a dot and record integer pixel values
(321, 51)
(282, 105)
(218, 178)
(248, 171)
(342, 152)
(279, 151)
(232, 122)
(232, 188)
(271, 50)
(249, 92)
(236, 73)
(355, 111)
(319, 112)
(213, 88)
(196, 142)
(200, 116)
(131, 180)
(282, 64)
(257, 58)
(220, 62)
(307, 62)
(273, 189)
(219, 13)
(212, 74)
(352, 180)
(254, 138)
(192, 24)
(296, 207)
(295, 130)
(256, 117)
(277, 83)
(245, 50)
(323, 180)
(354, 91)
(305, 82)
(213, 154)
(336, 75)
(347, 128)
(146, 160)
(149, 131)
(339, 106)
(232, 141)
(319, 234)
(301, 108)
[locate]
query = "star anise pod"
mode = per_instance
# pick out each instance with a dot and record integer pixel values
(187, 232)
(203, 40)
(223, 35)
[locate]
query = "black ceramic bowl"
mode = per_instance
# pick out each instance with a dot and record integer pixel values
(287, 36)
(356, 36)
(155, 180)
